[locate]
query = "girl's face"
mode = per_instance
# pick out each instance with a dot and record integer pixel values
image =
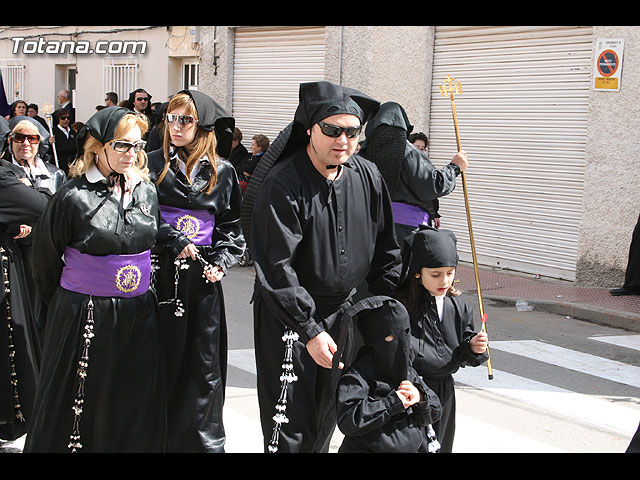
(437, 280)
(182, 133)
(21, 109)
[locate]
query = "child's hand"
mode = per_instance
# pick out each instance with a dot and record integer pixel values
(408, 393)
(479, 343)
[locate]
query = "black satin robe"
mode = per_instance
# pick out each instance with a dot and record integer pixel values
(19, 204)
(124, 394)
(441, 348)
(195, 344)
(314, 241)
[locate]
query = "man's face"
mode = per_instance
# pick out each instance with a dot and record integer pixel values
(140, 101)
(326, 150)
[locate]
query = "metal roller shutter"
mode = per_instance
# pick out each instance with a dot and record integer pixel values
(522, 116)
(269, 65)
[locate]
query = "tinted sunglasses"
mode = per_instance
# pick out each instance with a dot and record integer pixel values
(123, 147)
(21, 137)
(335, 131)
(143, 99)
(182, 119)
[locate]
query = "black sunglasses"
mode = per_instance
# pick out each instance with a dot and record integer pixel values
(182, 119)
(335, 131)
(123, 147)
(143, 99)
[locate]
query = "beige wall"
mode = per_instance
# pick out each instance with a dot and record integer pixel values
(390, 63)
(159, 67)
(611, 202)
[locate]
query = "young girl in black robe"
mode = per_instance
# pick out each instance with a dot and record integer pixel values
(442, 329)
(200, 200)
(101, 385)
(383, 406)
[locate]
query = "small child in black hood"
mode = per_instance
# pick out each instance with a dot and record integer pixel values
(382, 404)
(442, 330)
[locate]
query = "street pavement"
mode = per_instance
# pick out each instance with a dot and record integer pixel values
(587, 339)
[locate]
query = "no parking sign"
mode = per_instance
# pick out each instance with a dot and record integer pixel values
(608, 64)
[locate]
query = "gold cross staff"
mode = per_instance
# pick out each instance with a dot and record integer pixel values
(448, 88)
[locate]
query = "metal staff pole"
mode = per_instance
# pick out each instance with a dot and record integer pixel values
(47, 109)
(449, 90)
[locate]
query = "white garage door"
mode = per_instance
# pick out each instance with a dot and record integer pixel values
(269, 65)
(522, 115)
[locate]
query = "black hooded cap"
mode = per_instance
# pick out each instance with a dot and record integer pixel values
(319, 100)
(428, 247)
(132, 96)
(7, 127)
(211, 116)
(101, 126)
(383, 317)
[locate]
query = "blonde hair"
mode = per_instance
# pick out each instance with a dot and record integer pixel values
(23, 125)
(92, 147)
(204, 143)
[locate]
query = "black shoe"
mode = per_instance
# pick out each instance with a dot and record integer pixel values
(616, 292)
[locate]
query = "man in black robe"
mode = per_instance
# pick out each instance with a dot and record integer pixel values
(321, 224)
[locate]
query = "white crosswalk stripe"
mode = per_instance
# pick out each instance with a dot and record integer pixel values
(573, 360)
(542, 398)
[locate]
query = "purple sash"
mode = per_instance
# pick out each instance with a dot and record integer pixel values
(196, 225)
(409, 214)
(106, 276)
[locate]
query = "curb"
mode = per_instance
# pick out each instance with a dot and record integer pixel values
(589, 313)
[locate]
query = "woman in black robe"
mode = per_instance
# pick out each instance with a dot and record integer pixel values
(200, 201)
(101, 386)
(20, 207)
(26, 151)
